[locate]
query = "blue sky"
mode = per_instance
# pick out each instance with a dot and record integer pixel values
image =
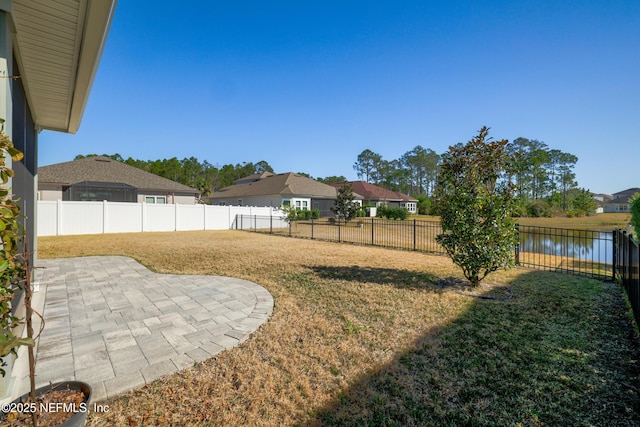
(309, 85)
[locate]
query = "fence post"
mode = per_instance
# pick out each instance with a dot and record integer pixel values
(271, 223)
(517, 249)
(176, 208)
(414, 234)
(614, 264)
(339, 240)
(241, 227)
(373, 225)
(311, 228)
(59, 226)
(627, 252)
(143, 216)
(105, 215)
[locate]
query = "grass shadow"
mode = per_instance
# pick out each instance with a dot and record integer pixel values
(402, 279)
(559, 353)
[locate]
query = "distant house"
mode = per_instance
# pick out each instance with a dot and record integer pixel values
(378, 196)
(620, 201)
(285, 189)
(101, 178)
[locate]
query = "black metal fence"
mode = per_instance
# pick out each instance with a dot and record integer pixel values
(627, 268)
(603, 255)
(413, 235)
(581, 252)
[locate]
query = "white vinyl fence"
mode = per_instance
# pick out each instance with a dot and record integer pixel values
(56, 218)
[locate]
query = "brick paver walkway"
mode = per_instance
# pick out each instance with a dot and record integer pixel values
(116, 325)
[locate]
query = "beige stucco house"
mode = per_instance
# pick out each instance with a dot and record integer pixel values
(285, 189)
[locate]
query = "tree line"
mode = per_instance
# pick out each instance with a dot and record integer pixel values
(543, 177)
(204, 176)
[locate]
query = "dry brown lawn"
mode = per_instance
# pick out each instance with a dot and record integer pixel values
(347, 322)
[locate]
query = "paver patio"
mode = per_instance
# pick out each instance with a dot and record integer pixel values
(116, 325)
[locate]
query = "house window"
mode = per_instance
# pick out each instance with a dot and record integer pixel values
(239, 202)
(302, 205)
(156, 200)
(286, 203)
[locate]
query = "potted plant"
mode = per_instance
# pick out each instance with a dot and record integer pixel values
(61, 404)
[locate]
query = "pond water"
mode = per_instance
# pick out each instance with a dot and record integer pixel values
(595, 246)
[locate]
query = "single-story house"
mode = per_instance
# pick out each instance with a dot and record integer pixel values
(378, 196)
(620, 201)
(284, 189)
(100, 178)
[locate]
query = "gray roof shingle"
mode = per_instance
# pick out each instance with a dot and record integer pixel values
(104, 169)
(375, 193)
(286, 184)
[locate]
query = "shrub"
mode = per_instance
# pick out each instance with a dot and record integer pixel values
(424, 205)
(345, 206)
(634, 202)
(294, 214)
(392, 213)
(478, 232)
(539, 208)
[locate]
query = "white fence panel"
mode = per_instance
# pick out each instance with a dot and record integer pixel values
(121, 217)
(218, 217)
(47, 216)
(65, 217)
(159, 217)
(190, 217)
(81, 218)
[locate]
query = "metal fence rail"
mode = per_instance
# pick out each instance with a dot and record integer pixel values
(410, 235)
(627, 268)
(602, 255)
(581, 252)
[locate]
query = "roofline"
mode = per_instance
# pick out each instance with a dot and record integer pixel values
(99, 15)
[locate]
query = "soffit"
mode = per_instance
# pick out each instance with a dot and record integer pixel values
(58, 45)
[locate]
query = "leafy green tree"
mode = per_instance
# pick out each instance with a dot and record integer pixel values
(479, 233)
(365, 166)
(394, 177)
(345, 208)
(424, 205)
(421, 165)
(332, 179)
(582, 202)
(262, 166)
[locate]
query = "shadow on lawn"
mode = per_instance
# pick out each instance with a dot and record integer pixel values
(554, 355)
(383, 276)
